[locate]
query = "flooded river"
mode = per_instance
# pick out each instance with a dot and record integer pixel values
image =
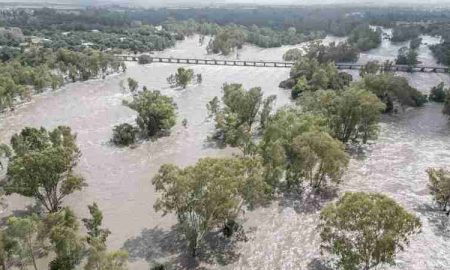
(282, 236)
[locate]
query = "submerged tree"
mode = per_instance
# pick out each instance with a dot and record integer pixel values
(22, 240)
(98, 258)
(320, 158)
(371, 67)
(308, 74)
(392, 89)
(42, 166)
(124, 134)
(364, 230)
(293, 55)
(235, 121)
(277, 147)
(352, 114)
(181, 78)
(407, 56)
(62, 229)
(439, 185)
(438, 93)
(208, 194)
(156, 112)
(132, 84)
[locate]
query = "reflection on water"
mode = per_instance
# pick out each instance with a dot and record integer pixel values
(282, 236)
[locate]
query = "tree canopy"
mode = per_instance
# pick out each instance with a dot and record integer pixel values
(365, 38)
(439, 186)
(42, 166)
(364, 230)
(392, 89)
(181, 78)
(236, 118)
(156, 112)
(208, 194)
(352, 115)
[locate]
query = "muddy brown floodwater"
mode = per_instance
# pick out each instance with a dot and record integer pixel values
(282, 236)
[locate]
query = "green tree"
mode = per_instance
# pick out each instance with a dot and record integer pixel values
(66, 242)
(181, 78)
(132, 84)
(365, 38)
(124, 134)
(276, 146)
(392, 89)
(156, 112)
(293, 55)
(42, 166)
(208, 194)
(321, 158)
(240, 111)
(371, 67)
(5, 250)
(352, 114)
(364, 230)
(439, 185)
(22, 237)
(407, 56)
(98, 258)
(300, 87)
(438, 93)
(227, 40)
(308, 74)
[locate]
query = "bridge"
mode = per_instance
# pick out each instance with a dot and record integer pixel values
(276, 64)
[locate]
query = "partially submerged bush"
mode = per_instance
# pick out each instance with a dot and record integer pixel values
(124, 134)
(438, 93)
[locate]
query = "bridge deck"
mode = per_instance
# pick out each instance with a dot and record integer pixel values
(278, 64)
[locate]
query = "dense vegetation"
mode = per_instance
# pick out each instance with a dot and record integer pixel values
(156, 116)
(237, 120)
(442, 52)
(405, 33)
(365, 38)
(183, 77)
(310, 75)
(233, 37)
(393, 90)
(439, 93)
(41, 166)
(39, 69)
(365, 230)
(407, 56)
(338, 53)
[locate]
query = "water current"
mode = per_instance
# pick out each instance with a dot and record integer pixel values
(282, 236)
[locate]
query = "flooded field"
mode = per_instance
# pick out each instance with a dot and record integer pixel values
(282, 236)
